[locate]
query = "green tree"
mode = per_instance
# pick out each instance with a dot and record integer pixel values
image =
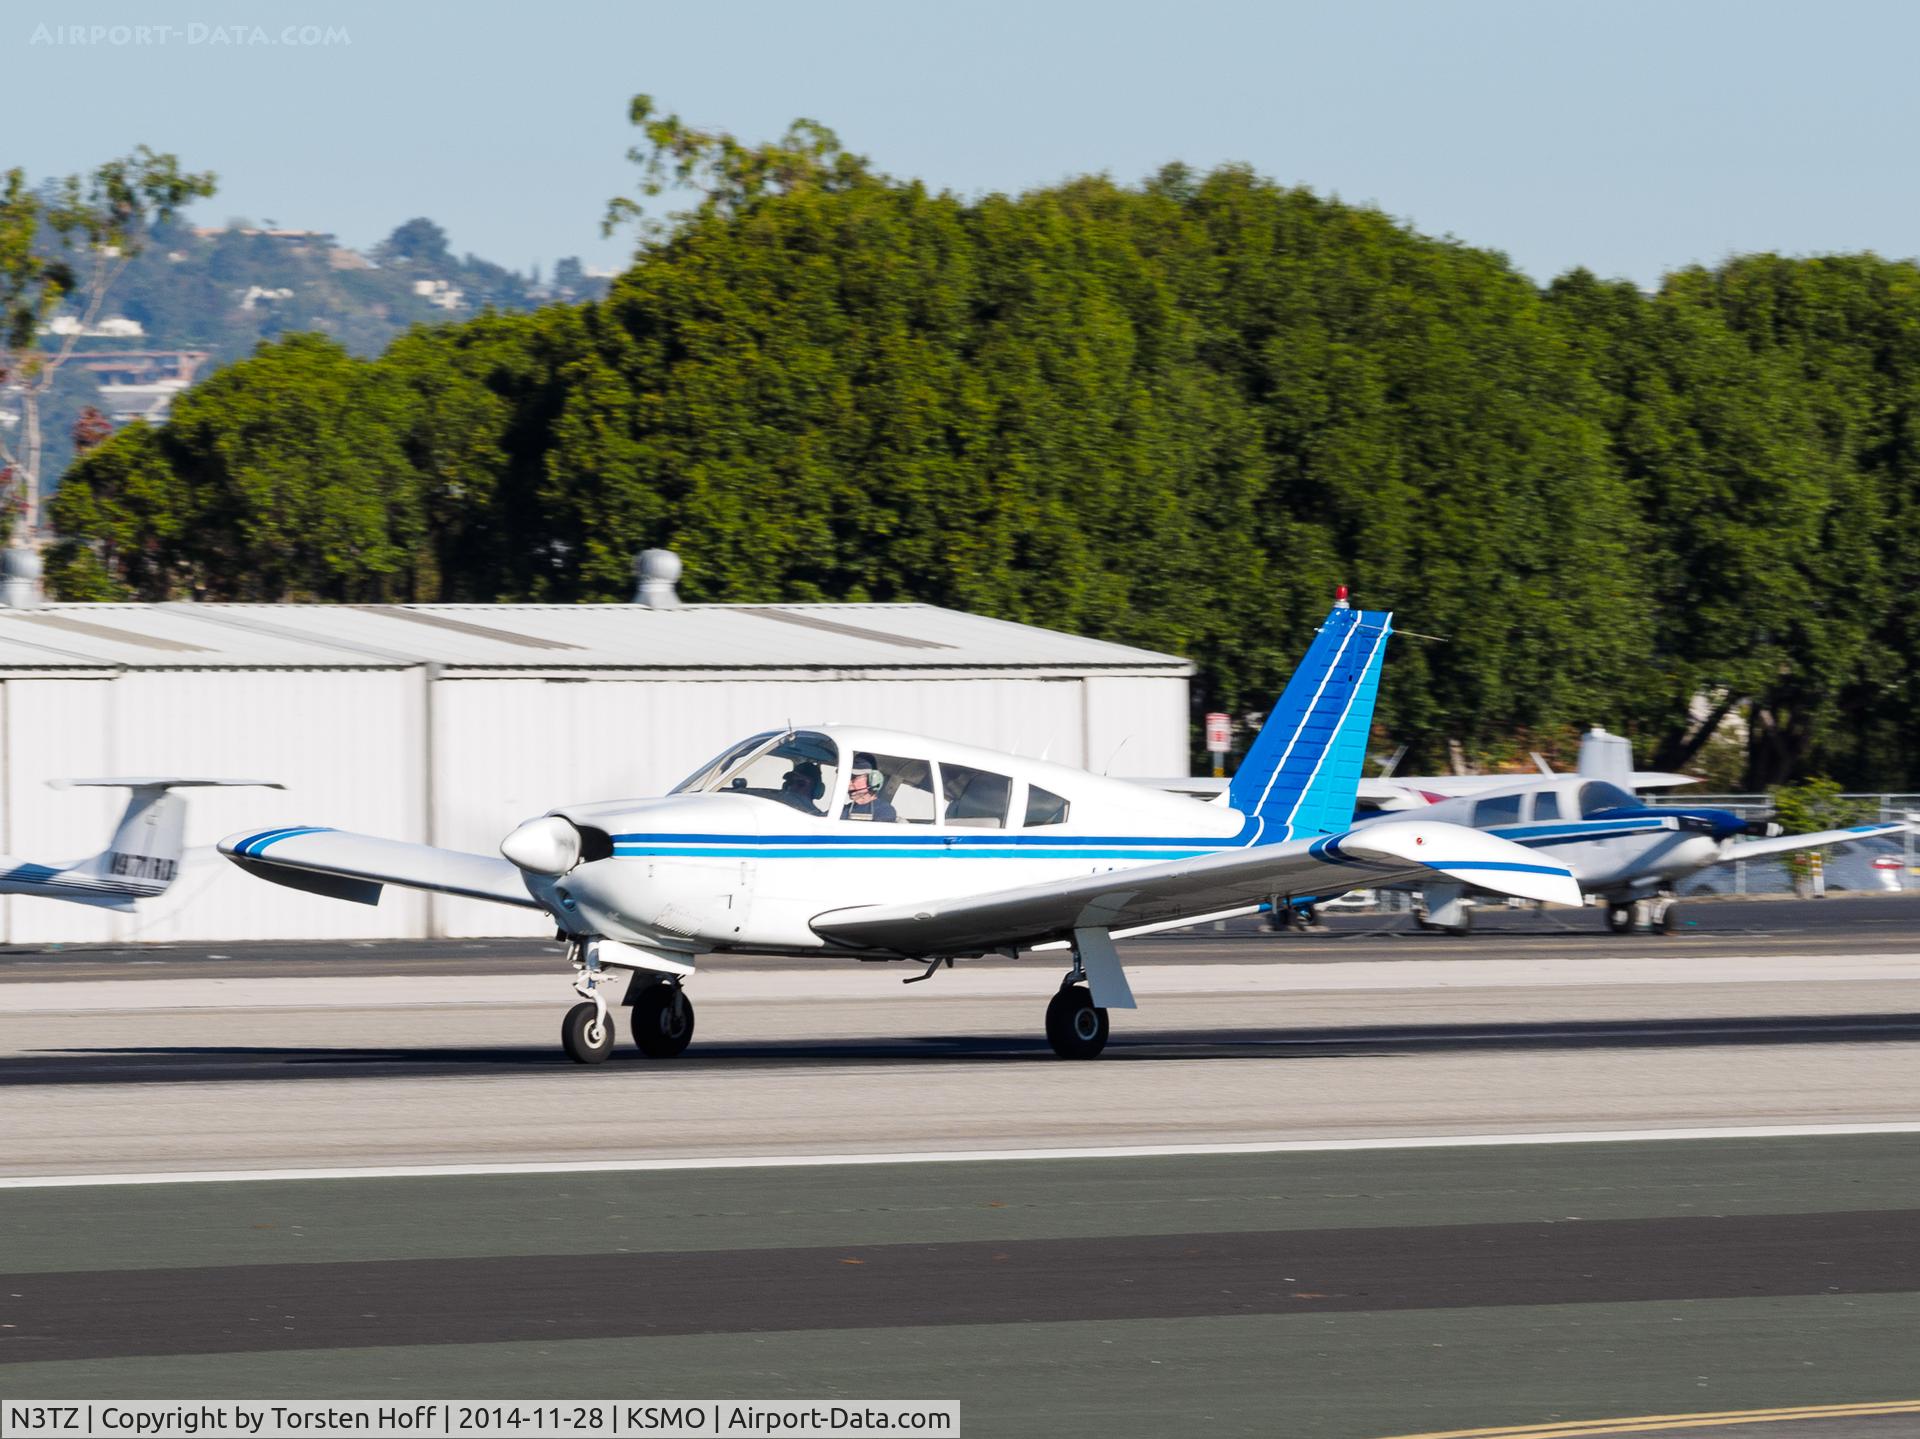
(1766, 539)
(282, 477)
(98, 222)
(1173, 414)
(1815, 804)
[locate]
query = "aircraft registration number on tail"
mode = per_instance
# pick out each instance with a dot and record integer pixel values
(144, 866)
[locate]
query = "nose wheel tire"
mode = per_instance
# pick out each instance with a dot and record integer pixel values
(586, 1037)
(1075, 1028)
(662, 1021)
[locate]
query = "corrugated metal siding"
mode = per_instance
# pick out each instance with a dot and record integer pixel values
(347, 744)
(56, 728)
(1136, 726)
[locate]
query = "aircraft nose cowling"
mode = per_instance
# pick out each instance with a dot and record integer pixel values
(549, 845)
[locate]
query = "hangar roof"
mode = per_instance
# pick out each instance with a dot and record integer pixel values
(693, 641)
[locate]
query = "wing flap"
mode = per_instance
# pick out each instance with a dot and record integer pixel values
(343, 865)
(1380, 853)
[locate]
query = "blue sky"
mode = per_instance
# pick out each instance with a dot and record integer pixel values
(1630, 137)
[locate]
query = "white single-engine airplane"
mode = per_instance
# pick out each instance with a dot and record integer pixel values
(141, 861)
(1629, 853)
(844, 841)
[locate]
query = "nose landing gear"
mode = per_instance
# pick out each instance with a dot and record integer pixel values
(587, 1032)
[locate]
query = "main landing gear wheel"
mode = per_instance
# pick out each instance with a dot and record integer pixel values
(586, 1037)
(1075, 1028)
(1620, 918)
(1660, 914)
(662, 1021)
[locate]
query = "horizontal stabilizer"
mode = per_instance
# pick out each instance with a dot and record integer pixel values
(1788, 843)
(163, 781)
(343, 865)
(1472, 856)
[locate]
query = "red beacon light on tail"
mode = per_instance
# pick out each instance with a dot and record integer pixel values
(1340, 598)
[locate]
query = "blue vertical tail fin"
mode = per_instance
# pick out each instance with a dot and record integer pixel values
(1303, 772)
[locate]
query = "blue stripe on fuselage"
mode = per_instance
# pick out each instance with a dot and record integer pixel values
(30, 874)
(1549, 834)
(898, 842)
(900, 836)
(829, 850)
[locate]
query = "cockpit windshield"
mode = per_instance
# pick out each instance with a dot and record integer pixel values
(798, 768)
(1598, 795)
(701, 779)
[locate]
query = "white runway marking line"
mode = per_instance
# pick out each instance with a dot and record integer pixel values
(955, 1156)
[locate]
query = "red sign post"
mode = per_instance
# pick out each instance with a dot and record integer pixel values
(1219, 741)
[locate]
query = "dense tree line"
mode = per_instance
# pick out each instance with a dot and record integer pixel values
(1173, 414)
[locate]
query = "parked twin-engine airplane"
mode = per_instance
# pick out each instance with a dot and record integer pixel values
(141, 860)
(1628, 852)
(844, 841)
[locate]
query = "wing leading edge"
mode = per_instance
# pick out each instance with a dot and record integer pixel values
(1382, 853)
(342, 865)
(1788, 843)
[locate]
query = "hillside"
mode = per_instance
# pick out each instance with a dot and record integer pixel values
(215, 292)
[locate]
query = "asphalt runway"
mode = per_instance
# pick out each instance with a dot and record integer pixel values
(1332, 1291)
(1357, 1294)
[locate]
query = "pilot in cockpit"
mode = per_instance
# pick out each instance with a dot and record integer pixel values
(863, 793)
(802, 786)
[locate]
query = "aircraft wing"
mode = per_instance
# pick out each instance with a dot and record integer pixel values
(1381, 853)
(164, 781)
(342, 865)
(1787, 843)
(1382, 792)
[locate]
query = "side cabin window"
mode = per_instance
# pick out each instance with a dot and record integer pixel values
(798, 771)
(1598, 796)
(1499, 809)
(1044, 807)
(886, 789)
(976, 798)
(1546, 806)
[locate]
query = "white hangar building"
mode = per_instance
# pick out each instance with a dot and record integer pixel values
(449, 724)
